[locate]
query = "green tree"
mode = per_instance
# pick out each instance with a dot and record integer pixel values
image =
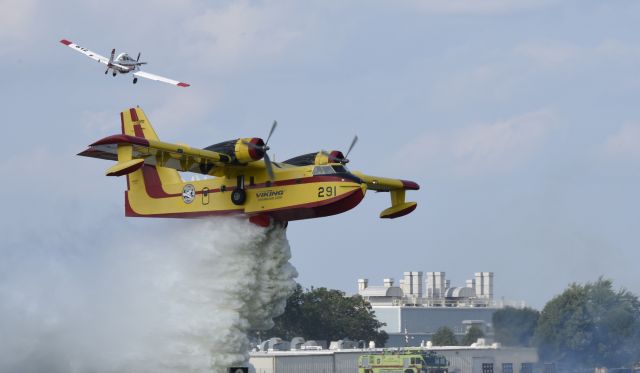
(444, 337)
(515, 326)
(590, 325)
(472, 336)
(324, 314)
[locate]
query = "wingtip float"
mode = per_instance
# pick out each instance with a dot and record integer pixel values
(245, 182)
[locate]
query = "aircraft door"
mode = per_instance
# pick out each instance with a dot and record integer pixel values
(205, 196)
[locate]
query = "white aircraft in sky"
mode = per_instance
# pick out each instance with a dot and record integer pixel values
(122, 64)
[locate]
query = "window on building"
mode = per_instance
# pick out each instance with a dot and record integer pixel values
(507, 368)
(549, 368)
(487, 367)
(526, 368)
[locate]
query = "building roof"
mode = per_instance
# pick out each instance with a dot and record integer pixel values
(382, 291)
(460, 293)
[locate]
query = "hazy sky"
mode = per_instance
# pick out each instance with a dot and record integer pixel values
(519, 119)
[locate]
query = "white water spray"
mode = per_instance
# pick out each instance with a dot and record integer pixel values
(180, 301)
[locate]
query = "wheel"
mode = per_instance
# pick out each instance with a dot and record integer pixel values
(238, 196)
(114, 74)
(135, 80)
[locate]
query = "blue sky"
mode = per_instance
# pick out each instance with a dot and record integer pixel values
(518, 119)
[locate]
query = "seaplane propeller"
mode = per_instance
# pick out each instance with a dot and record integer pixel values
(344, 160)
(263, 149)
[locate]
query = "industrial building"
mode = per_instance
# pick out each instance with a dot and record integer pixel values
(417, 307)
(476, 359)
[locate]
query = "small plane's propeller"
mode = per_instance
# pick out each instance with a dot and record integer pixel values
(138, 60)
(344, 160)
(264, 148)
(113, 53)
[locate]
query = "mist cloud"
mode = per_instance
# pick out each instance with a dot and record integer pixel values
(179, 300)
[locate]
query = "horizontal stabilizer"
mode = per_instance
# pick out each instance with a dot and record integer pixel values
(124, 168)
(398, 210)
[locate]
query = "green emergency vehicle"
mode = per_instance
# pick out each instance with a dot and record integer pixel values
(403, 361)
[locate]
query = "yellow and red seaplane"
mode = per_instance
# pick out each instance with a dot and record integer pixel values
(244, 180)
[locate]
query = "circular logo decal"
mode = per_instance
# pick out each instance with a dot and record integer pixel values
(188, 193)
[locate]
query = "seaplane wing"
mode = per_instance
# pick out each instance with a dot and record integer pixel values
(133, 152)
(384, 184)
(86, 52)
(146, 75)
(139, 146)
(397, 188)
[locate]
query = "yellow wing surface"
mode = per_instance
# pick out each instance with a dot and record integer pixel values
(139, 145)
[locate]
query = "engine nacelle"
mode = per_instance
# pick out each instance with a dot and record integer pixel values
(239, 151)
(334, 156)
(319, 158)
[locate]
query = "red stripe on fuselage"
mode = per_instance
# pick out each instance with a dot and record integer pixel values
(310, 210)
(154, 189)
(335, 205)
(129, 211)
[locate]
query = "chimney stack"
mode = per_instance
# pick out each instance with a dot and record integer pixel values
(388, 282)
(363, 283)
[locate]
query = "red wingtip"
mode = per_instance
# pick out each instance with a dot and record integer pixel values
(183, 84)
(410, 185)
(65, 42)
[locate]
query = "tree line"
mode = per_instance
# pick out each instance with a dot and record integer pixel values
(589, 325)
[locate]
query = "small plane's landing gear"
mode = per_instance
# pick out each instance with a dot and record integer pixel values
(135, 80)
(238, 196)
(106, 72)
(114, 73)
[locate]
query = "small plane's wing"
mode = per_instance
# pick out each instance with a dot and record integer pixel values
(397, 189)
(86, 52)
(146, 75)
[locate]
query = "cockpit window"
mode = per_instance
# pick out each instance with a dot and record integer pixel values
(323, 170)
(339, 169)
